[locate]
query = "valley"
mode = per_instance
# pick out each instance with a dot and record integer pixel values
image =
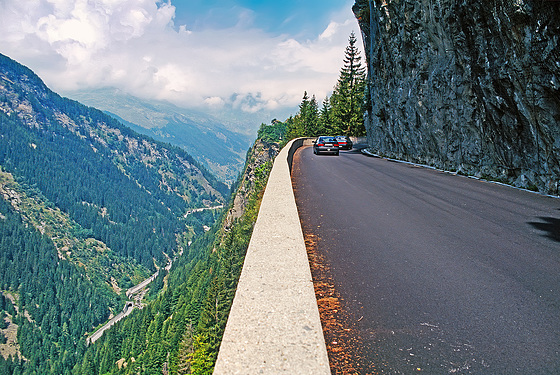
(89, 209)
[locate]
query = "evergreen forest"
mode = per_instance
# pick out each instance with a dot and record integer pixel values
(180, 332)
(89, 208)
(341, 113)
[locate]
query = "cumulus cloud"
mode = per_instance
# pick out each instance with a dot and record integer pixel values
(135, 45)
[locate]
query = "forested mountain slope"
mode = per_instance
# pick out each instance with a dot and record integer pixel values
(88, 208)
(181, 331)
(121, 187)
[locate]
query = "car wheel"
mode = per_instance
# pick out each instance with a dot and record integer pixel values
(336, 153)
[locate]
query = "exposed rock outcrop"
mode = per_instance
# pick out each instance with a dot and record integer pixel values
(471, 86)
(261, 153)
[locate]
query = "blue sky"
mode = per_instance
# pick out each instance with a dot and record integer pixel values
(294, 17)
(247, 55)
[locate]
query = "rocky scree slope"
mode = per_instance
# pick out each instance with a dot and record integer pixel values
(467, 86)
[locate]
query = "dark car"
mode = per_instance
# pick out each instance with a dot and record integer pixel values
(325, 144)
(344, 142)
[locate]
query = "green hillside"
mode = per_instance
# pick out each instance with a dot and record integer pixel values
(121, 187)
(89, 208)
(180, 332)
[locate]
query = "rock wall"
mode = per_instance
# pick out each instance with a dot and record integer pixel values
(467, 86)
(261, 153)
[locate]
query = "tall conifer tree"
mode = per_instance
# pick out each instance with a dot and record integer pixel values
(348, 95)
(305, 122)
(326, 125)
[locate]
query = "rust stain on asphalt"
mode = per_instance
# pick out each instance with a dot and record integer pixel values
(341, 336)
(339, 326)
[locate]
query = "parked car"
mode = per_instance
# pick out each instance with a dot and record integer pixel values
(344, 142)
(325, 144)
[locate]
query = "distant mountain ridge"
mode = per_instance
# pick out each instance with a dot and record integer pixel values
(207, 139)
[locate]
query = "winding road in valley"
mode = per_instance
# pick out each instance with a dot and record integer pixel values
(138, 288)
(440, 274)
(135, 292)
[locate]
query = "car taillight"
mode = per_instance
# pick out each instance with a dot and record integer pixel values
(320, 144)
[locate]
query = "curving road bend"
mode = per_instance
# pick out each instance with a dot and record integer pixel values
(442, 274)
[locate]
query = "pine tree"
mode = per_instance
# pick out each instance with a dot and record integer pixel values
(305, 122)
(202, 359)
(181, 365)
(348, 95)
(310, 116)
(326, 124)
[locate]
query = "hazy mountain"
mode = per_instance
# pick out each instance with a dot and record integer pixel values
(208, 140)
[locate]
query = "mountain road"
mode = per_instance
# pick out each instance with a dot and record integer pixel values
(440, 273)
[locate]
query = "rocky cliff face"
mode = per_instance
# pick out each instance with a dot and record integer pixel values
(258, 156)
(468, 86)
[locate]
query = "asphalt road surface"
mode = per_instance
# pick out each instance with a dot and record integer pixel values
(443, 274)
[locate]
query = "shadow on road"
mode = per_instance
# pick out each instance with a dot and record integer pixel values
(549, 225)
(357, 149)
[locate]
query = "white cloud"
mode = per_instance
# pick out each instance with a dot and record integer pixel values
(135, 46)
(334, 29)
(215, 102)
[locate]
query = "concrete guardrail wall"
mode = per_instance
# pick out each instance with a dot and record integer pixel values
(274, 325)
